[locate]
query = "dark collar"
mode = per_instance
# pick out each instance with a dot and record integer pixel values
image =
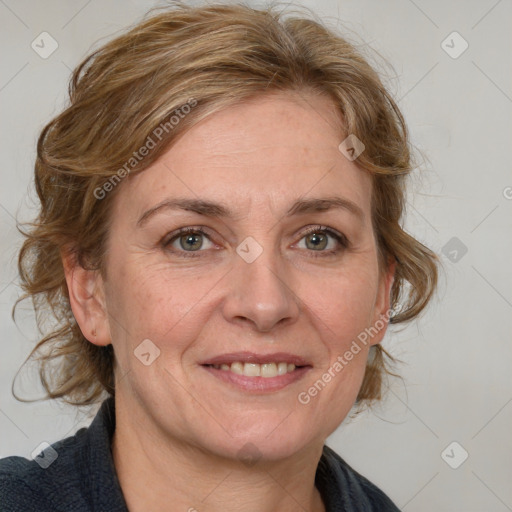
(340, 486)
(106, 492)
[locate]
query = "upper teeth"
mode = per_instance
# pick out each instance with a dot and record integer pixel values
(257, 370)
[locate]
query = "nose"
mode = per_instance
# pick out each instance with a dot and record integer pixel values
(260, 294)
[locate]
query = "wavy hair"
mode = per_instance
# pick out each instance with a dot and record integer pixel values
(216, 55)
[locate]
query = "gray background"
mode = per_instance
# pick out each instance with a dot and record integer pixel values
(457, 381)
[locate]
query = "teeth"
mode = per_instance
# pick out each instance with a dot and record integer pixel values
(252, 370)
(257, 370)
(282, 368)
(237, 368)
(269, 370)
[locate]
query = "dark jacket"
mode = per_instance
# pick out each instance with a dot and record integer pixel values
(82, 477)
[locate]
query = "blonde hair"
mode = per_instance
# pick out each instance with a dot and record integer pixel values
(209, 58)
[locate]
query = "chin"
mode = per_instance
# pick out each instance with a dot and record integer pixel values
(268, 441)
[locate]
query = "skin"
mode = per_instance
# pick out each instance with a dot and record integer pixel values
(181, 432)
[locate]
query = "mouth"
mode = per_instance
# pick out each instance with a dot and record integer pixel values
(265, 370)
(257, 372)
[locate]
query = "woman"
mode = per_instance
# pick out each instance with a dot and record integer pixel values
(219, 241)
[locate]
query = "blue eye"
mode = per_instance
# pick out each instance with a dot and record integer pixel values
(317, 240)
(189, 242)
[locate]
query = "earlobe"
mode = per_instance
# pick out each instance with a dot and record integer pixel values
(382, 309)
(87, 299)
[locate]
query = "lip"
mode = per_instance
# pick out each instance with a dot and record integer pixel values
(257, 384)
(251, 357)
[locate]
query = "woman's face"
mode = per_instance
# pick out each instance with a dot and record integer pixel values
(269, 276)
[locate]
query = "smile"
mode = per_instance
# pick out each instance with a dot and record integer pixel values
(257, 372)
(266, 370)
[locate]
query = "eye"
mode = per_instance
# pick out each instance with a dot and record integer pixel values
(187, 240)
(324, 240)
(320, 239)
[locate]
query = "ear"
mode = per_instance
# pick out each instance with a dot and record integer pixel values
(381, 311)
(87, 299)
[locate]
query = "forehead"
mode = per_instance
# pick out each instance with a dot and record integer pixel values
(262, 153)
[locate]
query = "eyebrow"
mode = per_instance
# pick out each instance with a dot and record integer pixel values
(212, 209)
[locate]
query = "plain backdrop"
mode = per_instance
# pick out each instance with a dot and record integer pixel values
(457, 384)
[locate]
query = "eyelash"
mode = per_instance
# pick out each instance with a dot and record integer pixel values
(341, 239)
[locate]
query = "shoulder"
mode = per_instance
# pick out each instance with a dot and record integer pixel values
(38, 484)
(76, 473)
(346, 489)
(17, 476)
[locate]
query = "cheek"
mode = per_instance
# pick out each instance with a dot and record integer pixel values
(341, 310)
(149, 302)
(344, 304)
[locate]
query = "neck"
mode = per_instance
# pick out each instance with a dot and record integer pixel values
(156, 472)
